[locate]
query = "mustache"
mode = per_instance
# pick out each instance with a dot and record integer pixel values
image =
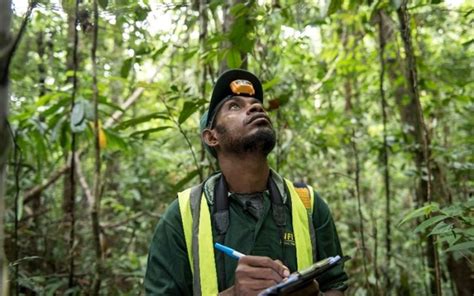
(257, 116)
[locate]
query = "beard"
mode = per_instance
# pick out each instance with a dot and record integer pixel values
(262, 141)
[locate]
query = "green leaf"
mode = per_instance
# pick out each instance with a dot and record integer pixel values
(55, 134)
(46, 98)
(188, 109)
(396, 4)
(189, 54)
(103, 101)
(269, 84)
(78, 116)
(441, 228)
(141, 119)
(159, 51)
(115, 140)
(63, 101)
(427, 223)
(233, 58)
(423, 211)
(19, 212)
(149, 131)
(329, 7)
(238, 9)
(103, 3)
(185, 180)
(461, 246)
(126, 66)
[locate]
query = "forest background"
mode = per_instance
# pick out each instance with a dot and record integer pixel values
(370, 100)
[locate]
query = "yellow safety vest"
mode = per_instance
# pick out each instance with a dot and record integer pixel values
(199, 243)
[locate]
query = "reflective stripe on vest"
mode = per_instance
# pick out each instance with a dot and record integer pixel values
(301, 224)
(201, 257)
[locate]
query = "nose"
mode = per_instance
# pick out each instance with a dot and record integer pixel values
(255, 108)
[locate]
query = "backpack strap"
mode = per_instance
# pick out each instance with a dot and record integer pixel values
(306, 194)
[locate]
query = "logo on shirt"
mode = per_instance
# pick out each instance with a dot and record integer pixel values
(289, 239)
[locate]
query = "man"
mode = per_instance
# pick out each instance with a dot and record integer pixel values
(247, 206)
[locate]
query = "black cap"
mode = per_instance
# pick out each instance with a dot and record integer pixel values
(222, 89)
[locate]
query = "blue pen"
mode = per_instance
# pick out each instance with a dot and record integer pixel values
(229, 251)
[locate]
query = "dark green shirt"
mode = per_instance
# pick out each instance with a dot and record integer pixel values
(168, 270)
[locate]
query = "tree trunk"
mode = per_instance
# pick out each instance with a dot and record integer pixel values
(422, 153)
(95, 207)
(385, 150)
(5, 41)
(70, 180)
(229, 21)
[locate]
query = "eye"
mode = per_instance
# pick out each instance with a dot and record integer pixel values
(234, 106)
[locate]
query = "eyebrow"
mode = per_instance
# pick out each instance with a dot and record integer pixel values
(241, 99)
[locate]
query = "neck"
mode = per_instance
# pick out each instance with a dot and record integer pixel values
(245, 173)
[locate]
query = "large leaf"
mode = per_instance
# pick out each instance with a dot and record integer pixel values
(329, 7)
(423, 211)
(185, 180)
(126, 66)
(269, 84)
(115, 140)
(78, 117)
(441, 228)
(146, 132)
(141, 119)
(461, 247)
(103, 3)
(396, 4)
(233, 58)
(159, 51)
(427, 223)
(188, 109)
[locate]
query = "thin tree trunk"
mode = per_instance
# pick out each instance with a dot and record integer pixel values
(71, 186)
(95, 207)
(359, 204)
(8, 47)
(203, 21)
(5, 39)
(385, 152)
(422, 154)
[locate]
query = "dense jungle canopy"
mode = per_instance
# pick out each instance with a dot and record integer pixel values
(372, 102)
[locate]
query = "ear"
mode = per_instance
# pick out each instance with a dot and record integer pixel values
(209, 137)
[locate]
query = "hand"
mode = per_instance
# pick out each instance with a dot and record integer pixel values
(256, 273)
(311, 288)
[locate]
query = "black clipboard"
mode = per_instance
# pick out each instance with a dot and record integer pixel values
(302, 278)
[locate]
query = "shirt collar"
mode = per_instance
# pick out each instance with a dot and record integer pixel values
(211, 182)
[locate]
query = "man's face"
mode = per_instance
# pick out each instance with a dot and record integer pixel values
(242, 125)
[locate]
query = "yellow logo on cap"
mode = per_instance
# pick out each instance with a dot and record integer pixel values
(242, 86)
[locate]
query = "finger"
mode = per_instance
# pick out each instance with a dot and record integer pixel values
(258, 285)
(244, 271)
(316, 284)
(261, 261)
(286, 271)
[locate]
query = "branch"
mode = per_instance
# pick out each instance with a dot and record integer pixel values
(10, 50)
(33, 192)
(83, 182)
(130, 101)
(120, 223)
